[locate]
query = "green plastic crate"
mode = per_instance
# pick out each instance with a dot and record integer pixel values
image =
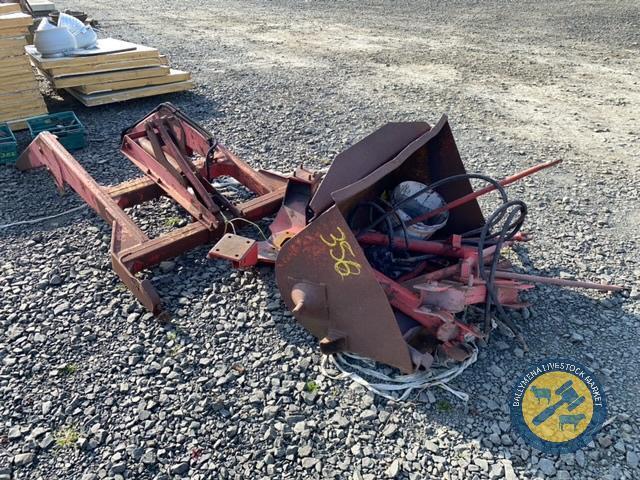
(64, 125)
(8, 146)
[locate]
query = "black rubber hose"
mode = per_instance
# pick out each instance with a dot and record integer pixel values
(385, 217)
(439, 183)
(515, 212)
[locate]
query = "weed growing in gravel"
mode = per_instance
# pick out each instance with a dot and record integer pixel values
(172, 222)
(67, 437)
(172, 336)
(69, 369)
(311, 386)
(444, 406)
(177, 331)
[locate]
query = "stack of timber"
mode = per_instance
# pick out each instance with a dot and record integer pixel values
(115, 71)
(20, 96)
(39, 8)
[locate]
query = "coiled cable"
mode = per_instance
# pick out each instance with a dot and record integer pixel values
(509, 217)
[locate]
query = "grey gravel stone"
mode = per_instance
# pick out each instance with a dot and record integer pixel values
(431, 446)
(149, 458)
(482, 463)
(497, 471)
(167, 266)
(179, 468)
(547, 466)
(576, 337)
(605, 441)
(393, 470)
(23, 459)
(309, 462)
(304, 451)
(390, 430)
(47, 441)
(509, 473)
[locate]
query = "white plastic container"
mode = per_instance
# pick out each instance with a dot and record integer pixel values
(423, 203)
(45, 25)
(54, 41)
(85, 35)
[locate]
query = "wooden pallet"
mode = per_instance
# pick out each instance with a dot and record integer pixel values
(105, 67)
(16, 20)
(173, 77)
(16, 101)
(14, 62)
(94, 79)
(9, 43)
(8, 73)
(13, 32)
(18, 83)
(20, 96)
(135, 72)
(26, 111)
(6, 8)
(17, 120)
(129, 94)
(9, 52)
(109, 50)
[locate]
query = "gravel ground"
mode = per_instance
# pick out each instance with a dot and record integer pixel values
(92, 387)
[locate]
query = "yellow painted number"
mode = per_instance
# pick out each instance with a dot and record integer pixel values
(339, 249)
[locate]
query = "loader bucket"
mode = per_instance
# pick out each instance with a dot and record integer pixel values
(322, 272)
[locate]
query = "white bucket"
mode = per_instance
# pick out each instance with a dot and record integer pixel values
(423, 203)
(54, 42)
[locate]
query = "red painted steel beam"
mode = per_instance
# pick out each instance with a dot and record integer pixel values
(418, 246)
(46, 151)
(131, 249)
(557, 281)
(258, 181)
(134, 192)
(441, 324)
(167, 181)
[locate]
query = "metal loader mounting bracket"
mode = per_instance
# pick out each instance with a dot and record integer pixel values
(179, 160)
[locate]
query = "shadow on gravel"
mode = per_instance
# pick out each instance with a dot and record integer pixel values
(593, 329)
(582, 325)
(199, 106)
(560, 322)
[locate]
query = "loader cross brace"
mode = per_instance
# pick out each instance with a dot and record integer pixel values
(179, 160)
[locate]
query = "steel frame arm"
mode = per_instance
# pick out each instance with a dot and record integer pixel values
(131, 249)
(46, 151)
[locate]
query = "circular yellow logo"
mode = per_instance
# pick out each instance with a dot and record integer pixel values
(569, 419)
(557, 405)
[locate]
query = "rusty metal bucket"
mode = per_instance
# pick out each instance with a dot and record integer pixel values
(322, 272)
